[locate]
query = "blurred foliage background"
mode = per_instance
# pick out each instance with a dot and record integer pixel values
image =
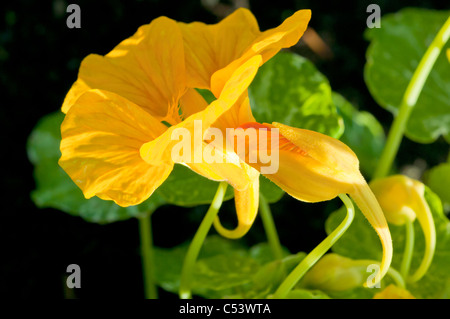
(39, 60)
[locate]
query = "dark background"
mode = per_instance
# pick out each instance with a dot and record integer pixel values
(39, 60)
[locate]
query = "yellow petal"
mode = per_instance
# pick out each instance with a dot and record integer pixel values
(237, 115)
(101, 137)
(209, 48)
(192, 102)
(246, 207)
(147, 69)
(160, 149)
(368, 204)
(213, 52)
(267, 44)
(229, 168)
(314, 167)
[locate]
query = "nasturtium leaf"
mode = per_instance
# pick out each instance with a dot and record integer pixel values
(363, 134)
(289, 89)
(393, 55)
(306, 294)
(186, 188)
(226, 269)
(438, 179)
(223, 272)
(271, 192)
(55, 189)
(169, 261)
(361, 242)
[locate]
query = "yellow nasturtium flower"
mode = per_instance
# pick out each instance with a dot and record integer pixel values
(121, 113)
(402, 199)
(394, 292)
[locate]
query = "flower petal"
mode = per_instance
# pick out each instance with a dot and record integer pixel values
(159, 149)
(147, 69)
(267, 44)
(314, 167)
(247, 202)
(213, 52)
(209, 48)
(402, 197)
(101, 137)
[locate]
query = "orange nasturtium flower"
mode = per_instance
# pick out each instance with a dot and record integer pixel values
(116, 143)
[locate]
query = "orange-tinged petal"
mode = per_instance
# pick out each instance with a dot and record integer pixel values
(159, 149)
(101, 137)
(147, 69)
(314, 167)
(209, 48)
(267, 44)
(246, 207)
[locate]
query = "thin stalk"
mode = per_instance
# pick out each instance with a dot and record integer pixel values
(145, 232)
(409, 248)
(409, 100)
(309, 261)
(269, 227)
(197, 242)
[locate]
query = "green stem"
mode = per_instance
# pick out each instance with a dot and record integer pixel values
(197, 242)
(394, 274)
(409, 100)
(145, 232)
(409, 248)
(309, 261)
(269, 227)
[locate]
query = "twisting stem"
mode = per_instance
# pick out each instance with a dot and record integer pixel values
(145, 232)
(197, 242)
(269, 227)
(309, 261)
(409, 100)
(409, 248)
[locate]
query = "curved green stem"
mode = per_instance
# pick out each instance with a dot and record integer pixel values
(409, 248)
(145, 233)
(394, 274)
(269, 227)
(409, 100)
(309, 261)
(197, 242)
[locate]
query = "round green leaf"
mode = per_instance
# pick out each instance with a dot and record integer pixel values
(438, 179)
(289, 89)
(392, 57)
(363, 134)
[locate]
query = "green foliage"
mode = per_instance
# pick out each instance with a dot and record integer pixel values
(363, 134)
(393, 55)
(227, 269)
(289, 89)
(438, 179)
(361, 242)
